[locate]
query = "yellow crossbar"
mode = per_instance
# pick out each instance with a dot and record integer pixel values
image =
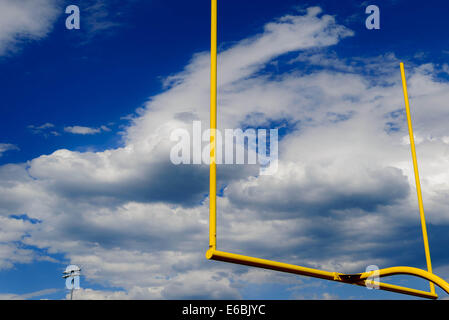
(361, 279)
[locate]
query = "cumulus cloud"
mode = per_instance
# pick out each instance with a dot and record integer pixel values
(343, 193)
(27, 20)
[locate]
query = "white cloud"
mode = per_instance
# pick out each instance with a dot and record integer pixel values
(13, 229)
(98, 17)
(102, 18)
(44, 129)
(12, 253)
(86, 130)
(7, 147)
(25, 20)
(40, 293)
(90, 294)
(329, 296)
(82, 130)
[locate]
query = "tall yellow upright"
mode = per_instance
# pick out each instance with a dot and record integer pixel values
(418, 184)
(213, 127)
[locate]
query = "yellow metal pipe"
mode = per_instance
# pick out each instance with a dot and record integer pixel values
(268, 264)
(418, 184)
(410, 271)
(356, 279)
(213, 127)
(399, 289)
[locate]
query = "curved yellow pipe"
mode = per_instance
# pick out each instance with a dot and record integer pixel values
(410, 271)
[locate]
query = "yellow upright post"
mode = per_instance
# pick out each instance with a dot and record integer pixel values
(213, 127)
(418, 185)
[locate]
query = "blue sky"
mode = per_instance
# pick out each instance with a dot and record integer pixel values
(98, 80)
(86, 116)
